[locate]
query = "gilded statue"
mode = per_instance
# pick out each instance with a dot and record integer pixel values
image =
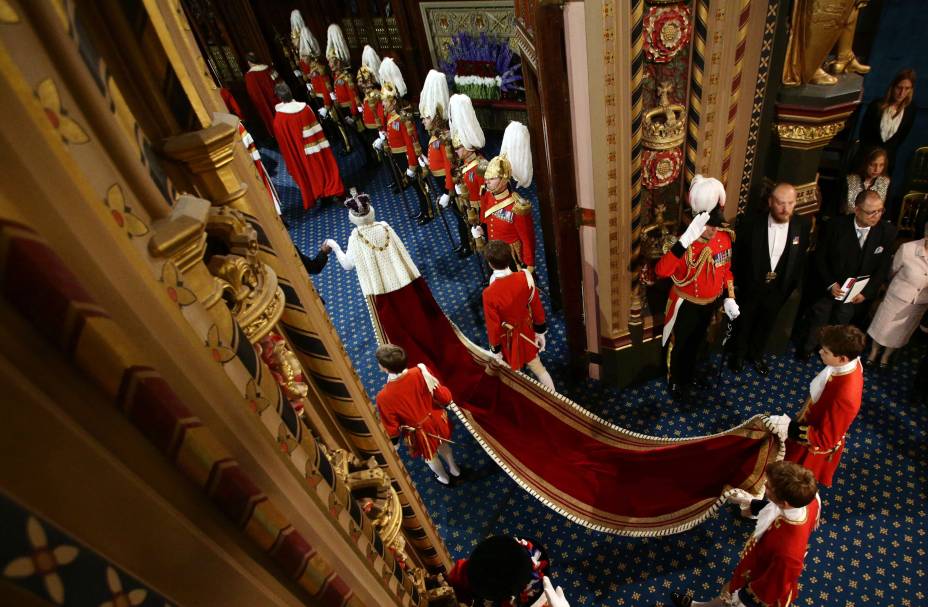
(817, 27)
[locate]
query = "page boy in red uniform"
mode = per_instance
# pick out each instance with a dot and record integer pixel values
(514, 315)
(412, 406)
(816, 438)
(771, 562)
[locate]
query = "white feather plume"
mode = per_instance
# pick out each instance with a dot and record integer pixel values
(706, 193)
(517, 147)
(463, 122)
(434, 95)
(371, 60)
(308, 45)
(390, 72)
(336, 44)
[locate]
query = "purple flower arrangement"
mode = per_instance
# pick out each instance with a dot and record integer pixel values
(483, 67)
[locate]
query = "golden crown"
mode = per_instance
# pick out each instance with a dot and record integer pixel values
(664, 127)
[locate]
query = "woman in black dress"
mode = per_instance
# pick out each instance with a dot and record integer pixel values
(887, 121)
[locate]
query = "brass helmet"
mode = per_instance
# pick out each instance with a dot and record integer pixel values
(388, 92)
(366, 77)
(499, 167)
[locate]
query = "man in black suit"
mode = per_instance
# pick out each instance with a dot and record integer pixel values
(768, 262)
(850, 246)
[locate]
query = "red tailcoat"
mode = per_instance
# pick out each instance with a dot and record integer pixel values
(306, 152)
(259, 82)
(401, 138)
(346, 95)
(513, 312)
(472, 175)
(440, 159)
(509, 218)
(373, 115)
(699, 273)
(825, 422)
(407, 401)
(770, 567)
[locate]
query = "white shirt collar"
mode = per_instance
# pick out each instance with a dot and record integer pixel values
(396, 376)
(500, 274)
(860, 228)
(771, 512)
(817, 385)
(773, 224)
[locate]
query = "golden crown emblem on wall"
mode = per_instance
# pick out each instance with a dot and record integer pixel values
(664, 127)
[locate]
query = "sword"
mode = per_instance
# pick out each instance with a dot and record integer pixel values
(401, 175)
(440, 438)
(444, 221)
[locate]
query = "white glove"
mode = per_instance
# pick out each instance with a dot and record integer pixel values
(360, 109)
(779, 425)
(498, 357)
(731, 308)
(460, 188)
(554, 596)
(740, 498)
(422, 160)
(444, 200)
(332, 95)
(476, 231)
(349, 119)
(332, 244)
(540, 341)
(383, 135)
(378, 144)
(694, 231)
(298, 74)
(410, 172)
(323, 112)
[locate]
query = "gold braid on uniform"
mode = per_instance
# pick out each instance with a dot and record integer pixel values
(520, 206)
(695, 266)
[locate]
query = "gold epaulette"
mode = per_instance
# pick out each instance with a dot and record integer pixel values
(482, 164)
(372, 95)
(729, 231)
(521, 206)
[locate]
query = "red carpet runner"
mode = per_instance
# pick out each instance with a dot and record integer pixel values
(593, 472)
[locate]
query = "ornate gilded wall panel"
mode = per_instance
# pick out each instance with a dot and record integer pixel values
(444, 19)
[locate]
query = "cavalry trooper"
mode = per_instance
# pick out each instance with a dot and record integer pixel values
(467, 139)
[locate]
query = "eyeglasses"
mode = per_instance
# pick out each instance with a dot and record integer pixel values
(873, 213)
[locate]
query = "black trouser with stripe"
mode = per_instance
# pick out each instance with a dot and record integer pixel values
(689, 333)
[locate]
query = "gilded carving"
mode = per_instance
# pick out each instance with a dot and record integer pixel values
(807, 136)
(444, 19)
(285, 366)
(664, 127)
(815, 27)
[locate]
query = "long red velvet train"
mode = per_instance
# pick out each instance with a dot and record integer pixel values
(587, 469)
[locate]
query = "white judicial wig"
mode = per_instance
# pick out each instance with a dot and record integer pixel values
(371, 60)
(433, 100)
(517, 148)
(336, 44)
(308, 45)
(705, 194)
(463, 122)
(390, 72)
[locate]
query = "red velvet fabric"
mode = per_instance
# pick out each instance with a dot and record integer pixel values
(606, 477)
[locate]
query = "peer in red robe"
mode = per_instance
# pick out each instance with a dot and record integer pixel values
(259, 83)
(230, 101)
(513, 314)
(412, 406)
(306, 152)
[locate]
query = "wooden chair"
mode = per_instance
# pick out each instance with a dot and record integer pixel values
(917, 175)
(912, 214)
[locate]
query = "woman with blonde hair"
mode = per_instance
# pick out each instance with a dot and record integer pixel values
(887, 121)
(870, 175)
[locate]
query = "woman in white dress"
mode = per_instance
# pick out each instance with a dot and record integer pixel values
(905, 302)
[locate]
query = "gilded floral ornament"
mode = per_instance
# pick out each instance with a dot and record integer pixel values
(115, 201)
(666, 31)
(7, 14)
(120, 598)
(177, 292)
(44, 561)
(219, 351)
(69, 130)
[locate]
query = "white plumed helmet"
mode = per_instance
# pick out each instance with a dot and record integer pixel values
(517, 148)
(465, 129)
(706, 193)
(371, 60)
(433, 100)
(308, 45)
(336, 45)
(390, 72)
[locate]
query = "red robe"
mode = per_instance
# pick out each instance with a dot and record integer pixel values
(230, 102)
(306, 152)
(259, 82)
(699, 273)
(770, 566)
(407, 401)
(440, 158)
(401, 138)
(513, 313)
(825, 422)
(509, 218)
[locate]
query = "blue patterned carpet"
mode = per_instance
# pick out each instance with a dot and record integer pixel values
(870, 549)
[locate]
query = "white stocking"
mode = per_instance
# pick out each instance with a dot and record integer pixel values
(445, 452)
(539, 371)
(439, 470)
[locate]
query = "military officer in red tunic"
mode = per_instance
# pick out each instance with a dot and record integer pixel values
(467, 139)
(816, 438)
(402, 144)
(412, 406)
(513, 314)
(346, 95)
(772, 560)
(371, 113)
(699, 264)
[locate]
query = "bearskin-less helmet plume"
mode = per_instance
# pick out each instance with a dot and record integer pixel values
(515, 156)
(390, 73)
(336, 46)
(371, 60)
(433, 100)
(465, 129)
(307, 45)
(707, 195)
